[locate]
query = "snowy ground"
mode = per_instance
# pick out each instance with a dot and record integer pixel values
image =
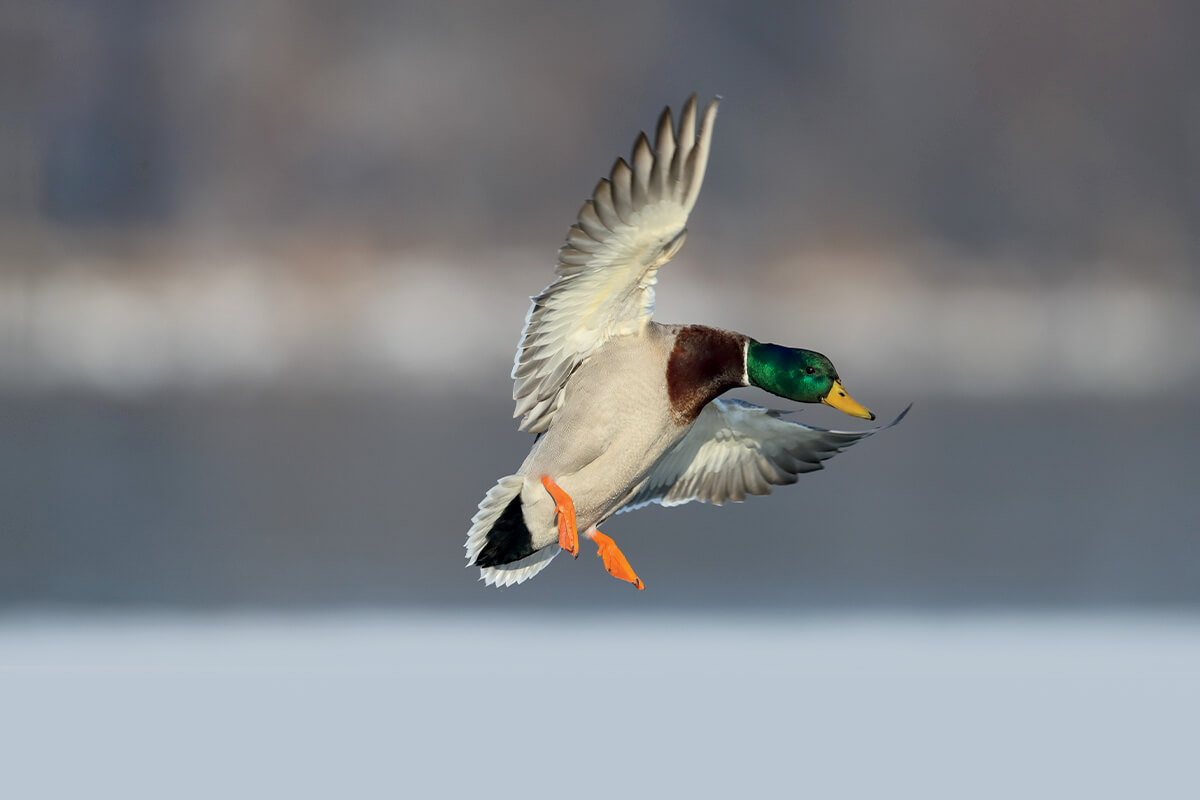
(492, 705)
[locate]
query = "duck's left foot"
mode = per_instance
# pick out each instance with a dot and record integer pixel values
(614, 560)
(568, 532)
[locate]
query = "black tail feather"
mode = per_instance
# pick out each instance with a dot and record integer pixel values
(509, 539)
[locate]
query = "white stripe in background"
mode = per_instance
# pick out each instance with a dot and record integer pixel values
(431, 323)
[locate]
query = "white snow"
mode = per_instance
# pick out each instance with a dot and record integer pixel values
(495, 705)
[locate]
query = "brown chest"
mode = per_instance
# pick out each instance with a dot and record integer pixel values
(703, 364)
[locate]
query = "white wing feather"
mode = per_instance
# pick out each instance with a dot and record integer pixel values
(635, 222)
(734, 449)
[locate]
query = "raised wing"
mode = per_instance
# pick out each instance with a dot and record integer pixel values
(735, 449)
(634, 223)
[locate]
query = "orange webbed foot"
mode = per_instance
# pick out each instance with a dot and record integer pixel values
(614, 560)
(568, 533)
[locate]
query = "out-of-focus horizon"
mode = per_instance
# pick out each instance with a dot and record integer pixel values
(213, 192)
(263, 268)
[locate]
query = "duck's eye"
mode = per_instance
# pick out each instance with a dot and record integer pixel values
(811, 370)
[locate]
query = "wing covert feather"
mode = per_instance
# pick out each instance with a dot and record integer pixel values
(734, 449)
(632, 225)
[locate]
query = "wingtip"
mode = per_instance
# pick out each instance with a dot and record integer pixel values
(693, 103)
(900, 416)
(893, 423)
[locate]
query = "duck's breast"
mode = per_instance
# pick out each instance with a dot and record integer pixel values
(615, 421)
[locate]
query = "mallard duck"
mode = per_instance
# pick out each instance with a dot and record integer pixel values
(625, 409)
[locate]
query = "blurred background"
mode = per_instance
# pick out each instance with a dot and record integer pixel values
(263, 268)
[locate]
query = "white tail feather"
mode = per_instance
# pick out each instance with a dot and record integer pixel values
(518, 571)
(490, 509)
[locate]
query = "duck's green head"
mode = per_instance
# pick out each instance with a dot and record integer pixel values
(802, 375)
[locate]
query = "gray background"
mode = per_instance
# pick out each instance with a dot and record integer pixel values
(263, 267)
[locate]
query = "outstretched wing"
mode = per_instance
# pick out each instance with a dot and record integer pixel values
(734, 449)
(634, 223)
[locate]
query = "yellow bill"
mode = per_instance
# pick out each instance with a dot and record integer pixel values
(843, 402)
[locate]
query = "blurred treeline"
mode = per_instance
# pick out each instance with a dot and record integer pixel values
(1067, 132)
